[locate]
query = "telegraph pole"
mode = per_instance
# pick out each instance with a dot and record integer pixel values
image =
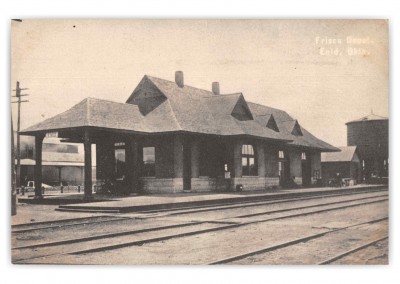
(18, 95)
(13, 190)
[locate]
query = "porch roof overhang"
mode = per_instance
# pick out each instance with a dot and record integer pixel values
(105, 116)
(31, 162)
(75, 134)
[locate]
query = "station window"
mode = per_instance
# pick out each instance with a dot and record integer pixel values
(149, 159)
(281, 155)
(249, 165)
(303, 156)
(28, 152)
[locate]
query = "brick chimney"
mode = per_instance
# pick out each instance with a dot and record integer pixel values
(215, 88)
(179, 78)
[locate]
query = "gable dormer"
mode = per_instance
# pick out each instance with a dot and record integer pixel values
(271, 124)
(241, 111)
(296, 131)
(146, 96)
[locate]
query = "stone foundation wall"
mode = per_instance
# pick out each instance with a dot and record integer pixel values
(255, 183)
(161, 185)
(204, 184)
(271, 182)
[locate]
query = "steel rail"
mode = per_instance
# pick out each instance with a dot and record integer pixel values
(167, 237)
(111, 235)
(337, 257)
(291, 243)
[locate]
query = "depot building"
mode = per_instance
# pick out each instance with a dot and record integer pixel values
(169, 137)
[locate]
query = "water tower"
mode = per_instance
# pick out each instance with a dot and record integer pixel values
(371, 134)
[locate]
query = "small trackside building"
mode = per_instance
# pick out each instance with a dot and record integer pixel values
(346, 163)
(169, 137)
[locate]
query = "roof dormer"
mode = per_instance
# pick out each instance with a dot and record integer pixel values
(241, 111)
(271, 124)
(146, 96)
(296, 131)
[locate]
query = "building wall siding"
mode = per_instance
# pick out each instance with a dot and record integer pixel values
(271, 161)
(330, 169)
(295, 165)
(169, 165)
(164, 158)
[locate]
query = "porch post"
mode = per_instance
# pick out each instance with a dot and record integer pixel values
(261, 159)
(59, 176)
(195, 156)
(38, 166)
(237, 159)
(178, 156)
(88, 165)
(132, 164)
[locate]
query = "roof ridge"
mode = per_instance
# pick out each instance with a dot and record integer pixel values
(223, 95)
(174, 115)
(172, 82)
(110, 101)
(261, 105)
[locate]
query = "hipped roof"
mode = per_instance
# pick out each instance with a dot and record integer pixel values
(346, 154)
(286, 123)
(186, 109)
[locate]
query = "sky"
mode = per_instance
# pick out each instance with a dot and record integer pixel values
(324, 73)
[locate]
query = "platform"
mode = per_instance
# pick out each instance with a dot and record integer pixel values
(184, 200)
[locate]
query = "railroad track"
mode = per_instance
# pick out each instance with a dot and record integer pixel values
(351, 251)
(123, 239)
(302, 240)
(207, 208)
(102, 219)
(30, 227)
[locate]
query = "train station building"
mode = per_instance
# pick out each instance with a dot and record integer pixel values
(169, 137)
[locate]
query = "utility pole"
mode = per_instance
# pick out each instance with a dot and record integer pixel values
(18, 95)
(13, 190)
